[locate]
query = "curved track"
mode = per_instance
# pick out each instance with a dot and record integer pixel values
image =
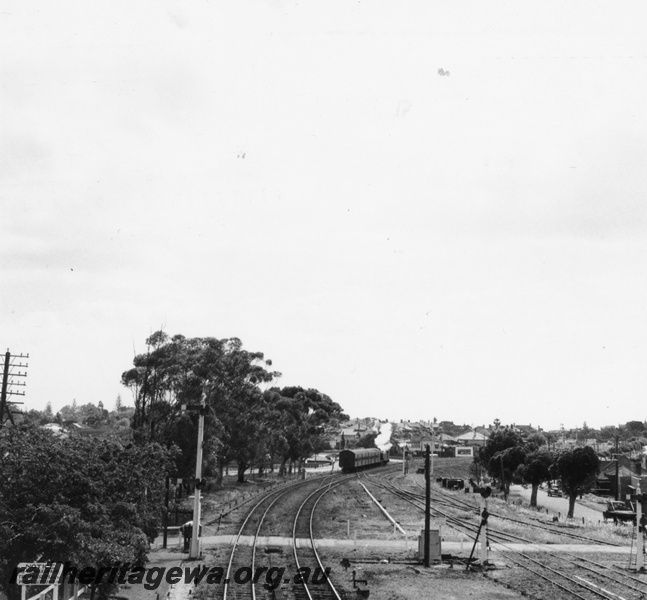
(308, 557)
(313, 586)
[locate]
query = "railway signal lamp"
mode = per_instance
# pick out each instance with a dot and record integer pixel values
(486, 492)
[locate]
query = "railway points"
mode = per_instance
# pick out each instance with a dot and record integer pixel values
(535, 557)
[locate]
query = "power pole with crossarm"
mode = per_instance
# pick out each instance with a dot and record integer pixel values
(8, 384)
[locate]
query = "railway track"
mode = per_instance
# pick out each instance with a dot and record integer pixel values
(562, 575)
(255, 566)
(452, 500)
(241, 556)
(307, 557)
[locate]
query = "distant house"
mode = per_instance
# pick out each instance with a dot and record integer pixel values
(348, 435)
(82, 431)
(418, 443)
(524, 431)
(472, 438)
(56, 429)
(623, 471)
(100, 433)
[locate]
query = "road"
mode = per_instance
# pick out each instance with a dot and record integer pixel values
(558, 505)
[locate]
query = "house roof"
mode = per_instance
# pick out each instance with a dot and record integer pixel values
(525, 428)
(471, 435)
(622, 472)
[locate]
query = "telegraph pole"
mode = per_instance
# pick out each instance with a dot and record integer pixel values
(433, 447)
(8, 383)
(427, 503)
(617, 470)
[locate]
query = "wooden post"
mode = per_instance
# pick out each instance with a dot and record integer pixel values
(164, 541)
(617, 471)
(640, 559)
(483, 556)
(427, 502)
(505, 489)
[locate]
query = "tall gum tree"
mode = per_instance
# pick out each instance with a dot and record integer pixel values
(302, 418)
(178, 370)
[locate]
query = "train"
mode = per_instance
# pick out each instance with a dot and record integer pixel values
(362, 458)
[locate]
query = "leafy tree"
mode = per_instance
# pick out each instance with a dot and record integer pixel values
(70, 414)
(300, 420)
(505, 463)
(635, 428)
(506, 456)
(33, 417)
(499, 441)
(92, 416)
(536, 440)
(536, 470)
(608, 433)
(577, 470)
(180, 370)
(94, 503)
(245, 423)
(244, 433)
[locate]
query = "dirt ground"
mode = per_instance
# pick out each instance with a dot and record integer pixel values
(446, 582)
(349, 514)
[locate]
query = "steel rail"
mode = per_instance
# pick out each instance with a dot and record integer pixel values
(576, 560)
(277, 491)
(494, 534)
(294, 540)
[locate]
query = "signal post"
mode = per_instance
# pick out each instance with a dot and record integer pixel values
(194, 549)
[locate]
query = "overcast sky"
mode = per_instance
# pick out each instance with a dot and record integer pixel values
(421, 209)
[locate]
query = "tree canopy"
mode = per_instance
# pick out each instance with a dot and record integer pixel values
(91, 502)
(508, 457)
(577, 470)
(246, 423)
(536, 470)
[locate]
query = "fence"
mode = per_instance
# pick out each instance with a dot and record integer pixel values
(55, 592)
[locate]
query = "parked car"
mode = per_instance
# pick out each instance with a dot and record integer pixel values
(619, 512)
(553, 491)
